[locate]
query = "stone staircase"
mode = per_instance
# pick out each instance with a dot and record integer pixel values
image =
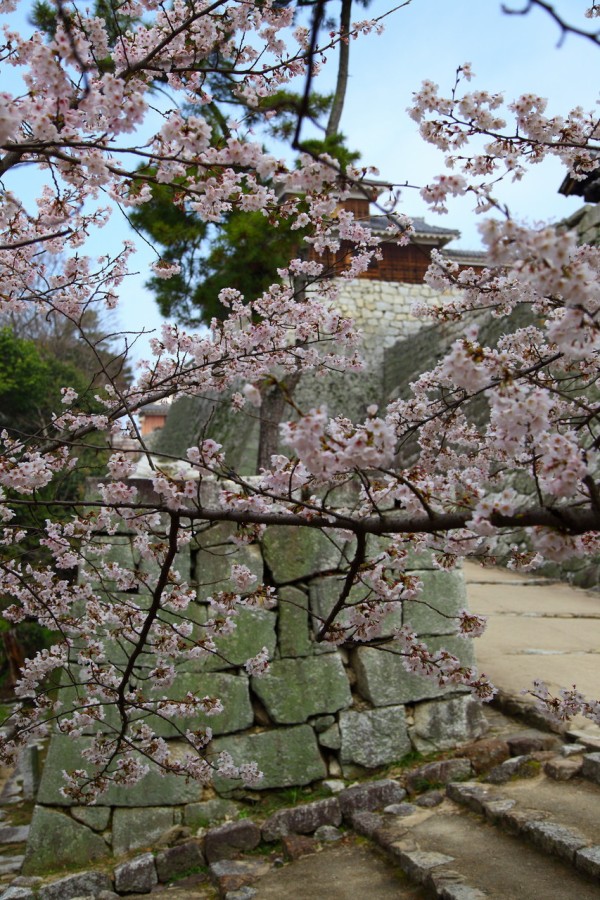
(515, 816)
(519, 833)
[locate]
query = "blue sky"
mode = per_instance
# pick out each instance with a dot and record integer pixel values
(429, 39)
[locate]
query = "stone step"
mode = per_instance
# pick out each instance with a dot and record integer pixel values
(561, 819)
(455, 854)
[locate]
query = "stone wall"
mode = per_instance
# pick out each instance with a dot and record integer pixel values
(321, 711)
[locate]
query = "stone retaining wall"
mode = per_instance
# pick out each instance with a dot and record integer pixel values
(319, 712)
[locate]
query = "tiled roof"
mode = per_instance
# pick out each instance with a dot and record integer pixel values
(421, 227)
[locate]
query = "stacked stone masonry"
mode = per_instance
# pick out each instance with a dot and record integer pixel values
(320, 712)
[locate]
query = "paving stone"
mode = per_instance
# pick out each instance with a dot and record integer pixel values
(444, 724)
(591, 767)
(176, 861)
(375, 737)
(95, 817)
(233, 874)
(209, 812)
(295, 846)
(135, 828)
(369, 796)
(295, 689)
(418, 863)
(528, 741)
(449, 885)
(136, 875)
(430, 799)
(517, 821)
(365, 823)
(13, 834)
(56, 841)
(76, 886)
(495, 810)
(245, 893)
(328, 833)
(468, 794)
(226, 841)
(556, 839)
(486, 753)
(292, 623)
(302, 819)
(285, 756)
(588, 861)
(520, 766)
(441, 772)
(400, 809)
(563, 769)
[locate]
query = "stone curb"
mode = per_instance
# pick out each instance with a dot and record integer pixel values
(534, 825)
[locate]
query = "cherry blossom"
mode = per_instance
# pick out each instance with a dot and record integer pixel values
(428, 473)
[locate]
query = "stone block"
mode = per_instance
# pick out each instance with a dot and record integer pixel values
(331, 738)
(95, 817)
(366, 823)
(210, 812)
(80, 885)
(469, 794)
(294, 637)
(295, 689)
(179, 860)
(303, 819)
(255, 629)
(324, 594)
(58, 842)
(136, 828)
(517, 766)
(374, 737)
(591, 767)
(136, 876)
(443, 724)
(441, 772)
(382, 679)
(285, 756)
(418, 863)
(369, 796)
(443, 594)
(214, 556)
(233, 874)
(232, 690)
(295, 846)
(563, 769)
(530, 741)
(588, 861)
(226, 841)
(295, 553)
(154, 789)
(556, 839)
(487, 753)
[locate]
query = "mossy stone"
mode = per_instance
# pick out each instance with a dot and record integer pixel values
(295, 689)
(56, 842)
(285, 756)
